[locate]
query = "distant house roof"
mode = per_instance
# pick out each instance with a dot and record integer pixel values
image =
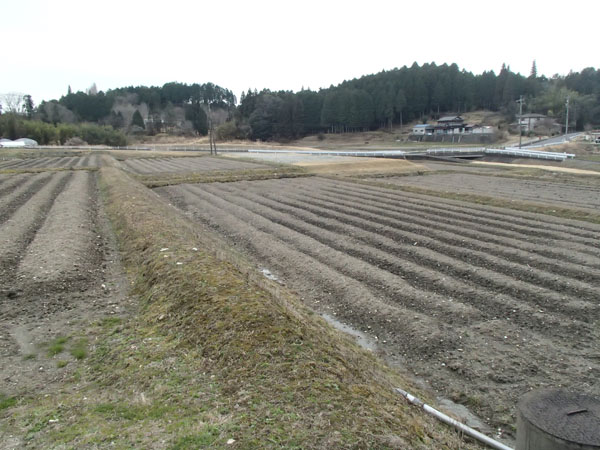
(450, 119)
(423, 125)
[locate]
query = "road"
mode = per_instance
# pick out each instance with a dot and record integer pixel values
(552, 141)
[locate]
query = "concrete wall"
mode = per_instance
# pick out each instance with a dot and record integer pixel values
(456, 138)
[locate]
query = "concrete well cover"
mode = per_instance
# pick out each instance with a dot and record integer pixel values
(570, 416)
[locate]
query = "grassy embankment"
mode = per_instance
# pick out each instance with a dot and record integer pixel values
(221, 176)
(216, 356)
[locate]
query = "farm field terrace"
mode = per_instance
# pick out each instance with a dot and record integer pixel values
(573, 194)
(124, 324)
(485, 303)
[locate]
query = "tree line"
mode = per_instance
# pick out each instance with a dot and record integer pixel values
(417, 93)
(381, 100)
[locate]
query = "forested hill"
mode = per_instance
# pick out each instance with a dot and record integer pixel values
(370, 102)
(416, 92)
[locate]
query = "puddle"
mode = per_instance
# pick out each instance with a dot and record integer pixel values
(362, 339)
(460, 412)
(267, 273)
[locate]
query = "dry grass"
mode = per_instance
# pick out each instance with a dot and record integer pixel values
(252, 363)
(538, 167)
(45, 169)
(362, 166)
(221, 176)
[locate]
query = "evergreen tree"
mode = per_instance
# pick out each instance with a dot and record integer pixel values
(137, 120)
(28, 106)
(533, 73)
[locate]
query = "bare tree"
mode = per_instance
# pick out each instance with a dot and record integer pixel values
(92, 90)
(13, 102)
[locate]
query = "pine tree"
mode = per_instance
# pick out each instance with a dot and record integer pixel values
(533, 73)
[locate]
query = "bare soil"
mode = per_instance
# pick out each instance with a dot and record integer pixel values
(144, 166)
(573, 194)
(49, 162)
(483, 303)
(58, 272)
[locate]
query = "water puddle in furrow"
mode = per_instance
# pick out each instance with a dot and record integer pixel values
(364, 340)
(461, 412)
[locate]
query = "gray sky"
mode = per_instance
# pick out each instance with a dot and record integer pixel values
(48, 45)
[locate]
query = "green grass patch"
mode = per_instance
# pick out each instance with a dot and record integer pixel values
(7, 402)
(57, 346)
(110, 322)
(79, 349)
(199, 440)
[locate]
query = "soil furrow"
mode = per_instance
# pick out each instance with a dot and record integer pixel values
(19, 163)
(6, 163)
(10, 202)
(382, 252)
(469, 211)
(480, 246)
(165, 165)
(61, 246)
(11, 182)
(540, 277)
(530, 190)
(18, 231)
(72, 162)
(83, 161)
(577, 239)
(93, 161)
(140, 166)
(186, 164)
(392, 288)
(279, 257)
(483, 360)
(452, 261)
(516, 249)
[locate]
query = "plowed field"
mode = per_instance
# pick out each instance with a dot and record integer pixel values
(572, 194)
(55, 271)
(66, 162)
(483, 303)
(145, 166)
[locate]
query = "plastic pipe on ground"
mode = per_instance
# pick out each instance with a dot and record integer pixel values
(455, 423)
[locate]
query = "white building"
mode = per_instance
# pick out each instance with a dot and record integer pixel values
(528, 122)
(423, 129)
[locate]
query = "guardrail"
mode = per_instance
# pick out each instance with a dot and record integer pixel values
(372, 154)
(508, 151)
(513, 151)
(446, 150)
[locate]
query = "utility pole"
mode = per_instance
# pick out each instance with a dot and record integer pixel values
(213, 147)
(520, 101)
(567, 121)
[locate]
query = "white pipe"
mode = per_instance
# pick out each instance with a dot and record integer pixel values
(455, 423)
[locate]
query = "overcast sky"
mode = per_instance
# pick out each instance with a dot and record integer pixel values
(49, 45)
